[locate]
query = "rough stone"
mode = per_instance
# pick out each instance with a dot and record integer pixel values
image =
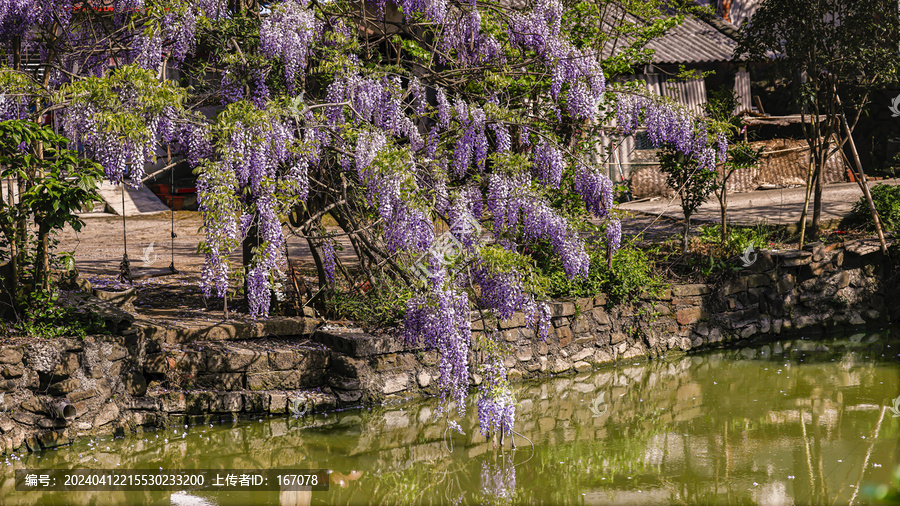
(12, 371)
(118, 352)
(560, 365)
(343, 383)
(26, 418)
(236, 361)
(794, 258)
(756, 280)
(222, 381)
(197, 403)
(135, 383)
(582, 355)
(256, 402)
(108, 413)
(231, 402)
(6, 425)
(560, 322)
(524, 354)
(348, 395)
(584, 339)
(600, 316)
(689, 315)
(141, 403)
(34, 405)
(424, 379)
(514, 375)
(602, 357)
(564, 335)
(634, 352)
(68, 365)
(560, 309)
(277, 403)
(10, 356)
(517, 320)
(743, 318)
(278, 380)
(584, 304)
(395, 383)
(801, 322)
(53, 439)
(582, 366)
(51, 423)
(281, 360)
(600, 299)
(690, 290)
(749, 331)
(64, 387)
(172, 402)
(581, 324)
(734, 286)
(543, 349)
(617, 337)
(156, 364)
(544, 364)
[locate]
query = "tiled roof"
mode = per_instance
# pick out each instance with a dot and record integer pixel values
(694, 41)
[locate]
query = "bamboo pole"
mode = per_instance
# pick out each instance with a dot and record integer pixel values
(861, 179)
(803, 215)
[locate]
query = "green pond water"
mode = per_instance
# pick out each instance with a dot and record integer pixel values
(801, 421)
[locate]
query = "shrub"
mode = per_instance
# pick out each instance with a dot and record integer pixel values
(887, 202)
(632, 273)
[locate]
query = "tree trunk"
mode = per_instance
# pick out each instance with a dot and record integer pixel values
(42, 260)
(686, 240)
(723, 206)
(817, 198)
(250, 242)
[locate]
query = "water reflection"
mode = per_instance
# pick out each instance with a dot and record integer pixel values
(786, 422)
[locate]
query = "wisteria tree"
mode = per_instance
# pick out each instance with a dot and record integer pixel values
(396, 119)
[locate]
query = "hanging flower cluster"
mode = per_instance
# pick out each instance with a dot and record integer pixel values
(669, 124)
(439, 318)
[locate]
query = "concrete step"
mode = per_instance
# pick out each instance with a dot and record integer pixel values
(138, 201)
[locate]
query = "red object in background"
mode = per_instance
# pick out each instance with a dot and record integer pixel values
(185, 190)
(851, 176)
(160, 189)
(173, 201)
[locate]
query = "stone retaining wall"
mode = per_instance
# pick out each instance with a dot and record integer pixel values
(830, 288)
(158, 377)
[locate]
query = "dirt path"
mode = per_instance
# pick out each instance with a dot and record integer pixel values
(99, 246)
